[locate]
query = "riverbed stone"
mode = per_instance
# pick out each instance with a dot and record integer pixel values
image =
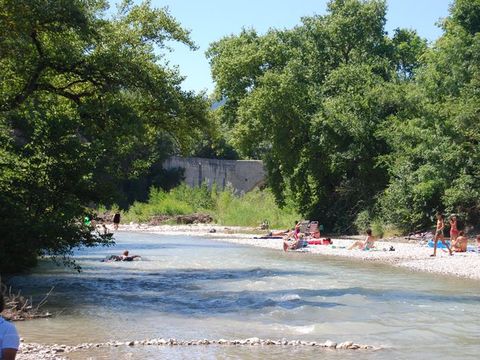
(330, 344)
(38, 351)
(344, 345)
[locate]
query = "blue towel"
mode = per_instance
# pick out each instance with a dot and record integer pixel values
(439, 244)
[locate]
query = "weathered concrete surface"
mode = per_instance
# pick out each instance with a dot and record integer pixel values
(241, 175)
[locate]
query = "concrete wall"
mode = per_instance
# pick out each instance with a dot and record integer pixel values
(242, 175)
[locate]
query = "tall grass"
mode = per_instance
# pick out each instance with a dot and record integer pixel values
(253, 208)
(226, 208)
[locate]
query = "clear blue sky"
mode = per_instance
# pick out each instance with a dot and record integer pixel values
(210, 20)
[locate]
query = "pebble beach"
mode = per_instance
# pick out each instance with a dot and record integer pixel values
(411, 255)
(59, 352)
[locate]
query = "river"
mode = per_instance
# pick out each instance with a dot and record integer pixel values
(194, 288)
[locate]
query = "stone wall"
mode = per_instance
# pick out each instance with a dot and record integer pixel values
(242, 175)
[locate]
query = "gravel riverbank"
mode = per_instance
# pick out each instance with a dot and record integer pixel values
(59, 352)
(412, 256)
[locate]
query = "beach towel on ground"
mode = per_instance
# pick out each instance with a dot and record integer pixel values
(440, 245)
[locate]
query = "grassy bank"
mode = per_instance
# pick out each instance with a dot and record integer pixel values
(225, 207)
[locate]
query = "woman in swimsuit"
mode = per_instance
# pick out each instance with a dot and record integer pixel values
(364, 245)
(460, 243)
(296, 233)
(453, 228)
(439, 235)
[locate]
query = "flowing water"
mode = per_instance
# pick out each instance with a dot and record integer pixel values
(194, 288)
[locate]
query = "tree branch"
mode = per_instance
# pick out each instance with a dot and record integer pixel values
(76, 97)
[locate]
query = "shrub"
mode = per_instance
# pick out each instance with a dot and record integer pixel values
(362, 222)
(378, 228)
(227, 208)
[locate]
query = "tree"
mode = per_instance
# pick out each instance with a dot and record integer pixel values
(85, 102)
(311, 102)
(435, 145)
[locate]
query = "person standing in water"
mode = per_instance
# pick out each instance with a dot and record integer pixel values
(439, 235)
(9, 339)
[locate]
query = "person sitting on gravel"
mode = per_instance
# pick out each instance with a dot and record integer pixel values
(293, 243)
(460, 243)
(9, 339)
(364, 245)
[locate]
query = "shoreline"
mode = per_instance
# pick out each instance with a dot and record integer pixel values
(407, 255)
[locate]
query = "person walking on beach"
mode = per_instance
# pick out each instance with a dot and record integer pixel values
(439, 235)
(9, 339)
(116, 221)
(453, 228)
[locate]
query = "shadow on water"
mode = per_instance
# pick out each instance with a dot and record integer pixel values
(194, 292)
(173, 291)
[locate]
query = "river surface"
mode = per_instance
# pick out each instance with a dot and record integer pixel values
(194, 288)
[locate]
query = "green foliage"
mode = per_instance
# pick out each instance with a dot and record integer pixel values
(408, 50)
(86, 105)
(378, 228)
(353, 122)
(466, 13)
(310, 102)
(362, 222)
(181, 200)
(435, 154)
(226, 208)
(252, 208)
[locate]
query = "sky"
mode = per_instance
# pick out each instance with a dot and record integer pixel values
(210, 20)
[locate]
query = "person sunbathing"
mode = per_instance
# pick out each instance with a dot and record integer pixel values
(368, 244)
(460, 243)
(278, 233)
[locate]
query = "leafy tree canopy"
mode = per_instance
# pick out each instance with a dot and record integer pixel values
(434, 162)
(311, 101)
(85, 101)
